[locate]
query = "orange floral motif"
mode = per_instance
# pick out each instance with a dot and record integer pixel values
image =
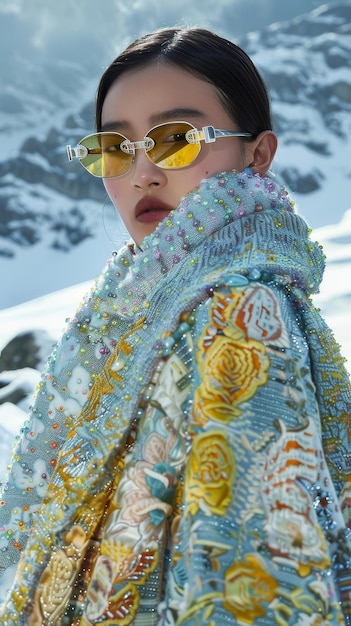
(122, 608)
(231, 372)
(258, 315)
(248, 586)
(252, 313)
(290, 527)
(210, 474)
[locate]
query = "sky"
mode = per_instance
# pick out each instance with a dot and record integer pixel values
(78, 30)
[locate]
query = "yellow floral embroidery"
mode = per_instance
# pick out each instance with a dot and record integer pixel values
(232, 357)
(210, 474)
(231, 372)
(248, 585)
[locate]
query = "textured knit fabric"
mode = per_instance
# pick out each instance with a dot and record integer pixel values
(187, 457)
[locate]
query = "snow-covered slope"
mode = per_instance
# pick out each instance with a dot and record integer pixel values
(56, 227)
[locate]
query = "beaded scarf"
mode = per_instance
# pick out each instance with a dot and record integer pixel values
(234, 227)
(238, 220)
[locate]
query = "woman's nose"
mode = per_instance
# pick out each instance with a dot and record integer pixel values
(145, 173)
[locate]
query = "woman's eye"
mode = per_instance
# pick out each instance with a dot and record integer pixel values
(174, 137)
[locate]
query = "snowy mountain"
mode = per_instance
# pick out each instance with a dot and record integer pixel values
(56, 226)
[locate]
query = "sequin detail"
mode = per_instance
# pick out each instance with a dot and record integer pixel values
(180, 482)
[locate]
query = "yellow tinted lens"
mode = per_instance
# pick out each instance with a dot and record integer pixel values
(105, 158)
(171, 149)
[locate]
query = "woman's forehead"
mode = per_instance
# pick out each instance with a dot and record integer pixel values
(158, 92)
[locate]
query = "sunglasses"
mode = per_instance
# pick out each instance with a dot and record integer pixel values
(170, 146)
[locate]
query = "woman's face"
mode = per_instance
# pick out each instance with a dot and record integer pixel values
(143, 98)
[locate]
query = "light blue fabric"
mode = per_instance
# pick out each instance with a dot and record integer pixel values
(235, 232)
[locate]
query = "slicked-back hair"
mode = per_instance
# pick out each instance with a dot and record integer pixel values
(207, 56)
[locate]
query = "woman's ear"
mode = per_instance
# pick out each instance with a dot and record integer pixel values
(262, 151)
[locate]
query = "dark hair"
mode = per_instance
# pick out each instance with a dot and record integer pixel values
(208, 56)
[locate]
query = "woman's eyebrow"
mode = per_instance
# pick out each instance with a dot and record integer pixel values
(178, 113)
(169, 115)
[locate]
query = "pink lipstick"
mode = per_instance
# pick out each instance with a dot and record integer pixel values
(150, 209)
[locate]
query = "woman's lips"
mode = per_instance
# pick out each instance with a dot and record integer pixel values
(151, 210)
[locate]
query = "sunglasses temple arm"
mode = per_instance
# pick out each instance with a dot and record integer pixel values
(79, 152)
(209, 134)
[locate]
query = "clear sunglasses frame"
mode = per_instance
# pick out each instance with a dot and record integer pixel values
(192, 136)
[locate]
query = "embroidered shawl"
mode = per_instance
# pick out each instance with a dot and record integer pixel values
(236, 229)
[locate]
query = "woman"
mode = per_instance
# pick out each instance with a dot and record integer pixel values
(186, 458)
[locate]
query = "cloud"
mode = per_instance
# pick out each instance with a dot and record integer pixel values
(81, 28)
